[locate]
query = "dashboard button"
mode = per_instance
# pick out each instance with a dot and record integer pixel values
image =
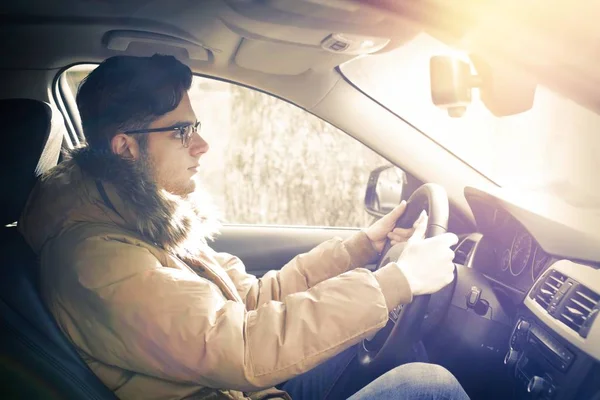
(539, 386)
(511, 358)
(523, 326)
(562, 366)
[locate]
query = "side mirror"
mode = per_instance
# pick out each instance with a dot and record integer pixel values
(384, 190)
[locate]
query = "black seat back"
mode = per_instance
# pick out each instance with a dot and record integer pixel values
(36, 359)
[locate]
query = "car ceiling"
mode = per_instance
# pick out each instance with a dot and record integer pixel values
(249, 41)
(271, 45)
(258, 36)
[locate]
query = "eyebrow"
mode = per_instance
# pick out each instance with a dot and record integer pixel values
(182, 123)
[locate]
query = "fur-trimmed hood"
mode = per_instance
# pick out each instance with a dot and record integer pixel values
(99, 186)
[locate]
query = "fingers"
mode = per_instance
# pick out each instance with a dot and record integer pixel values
(403, 234)
(447, 279)
(447, 239)
(396, 212)
(423, 219)
(419, 232)
(449, 255)
(400, 233)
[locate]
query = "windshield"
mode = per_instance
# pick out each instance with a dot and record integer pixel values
(552, 146)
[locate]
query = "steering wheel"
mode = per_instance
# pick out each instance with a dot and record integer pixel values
(403, 327)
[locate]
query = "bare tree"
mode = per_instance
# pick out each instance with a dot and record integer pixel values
(289, 167)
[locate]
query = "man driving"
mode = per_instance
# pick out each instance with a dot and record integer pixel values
(122, 229)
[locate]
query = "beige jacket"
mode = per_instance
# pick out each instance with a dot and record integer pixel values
(157, 317)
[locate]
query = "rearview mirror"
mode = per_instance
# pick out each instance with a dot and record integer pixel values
(503, 90)
(384, 190)
(451, 84)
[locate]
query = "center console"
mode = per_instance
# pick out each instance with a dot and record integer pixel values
(545, 366)
(554, 346)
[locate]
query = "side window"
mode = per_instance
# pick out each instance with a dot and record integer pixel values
(272, 163)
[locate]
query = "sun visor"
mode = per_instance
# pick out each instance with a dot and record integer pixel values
(140, 42)
(284, 59)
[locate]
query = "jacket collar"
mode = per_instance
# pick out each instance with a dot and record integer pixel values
(177, 224)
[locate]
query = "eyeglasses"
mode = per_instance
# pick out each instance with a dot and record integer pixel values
(184, 131)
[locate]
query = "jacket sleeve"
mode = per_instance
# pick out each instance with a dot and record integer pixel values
(129, 311)
(327, 260)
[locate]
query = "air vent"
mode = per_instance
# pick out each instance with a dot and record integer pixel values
(552, 283)
(463, 251)
(579, 309)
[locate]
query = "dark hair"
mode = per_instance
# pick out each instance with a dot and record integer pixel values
(126, 93)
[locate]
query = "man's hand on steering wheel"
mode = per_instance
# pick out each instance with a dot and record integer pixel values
(426, 263)
(383, 229)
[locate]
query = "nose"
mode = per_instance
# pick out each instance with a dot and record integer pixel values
(198, 145)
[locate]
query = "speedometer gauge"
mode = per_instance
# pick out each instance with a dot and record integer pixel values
(505, 260)
(522, 247)
(540, 260)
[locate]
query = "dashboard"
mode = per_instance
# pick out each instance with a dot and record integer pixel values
(508, 253)
(518, 241)
(549, 269)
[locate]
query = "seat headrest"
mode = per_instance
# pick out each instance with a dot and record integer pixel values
(32, 135)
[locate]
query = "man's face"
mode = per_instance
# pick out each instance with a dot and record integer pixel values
(173, 166)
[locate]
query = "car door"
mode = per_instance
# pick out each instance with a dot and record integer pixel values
(282, 179)
(264, 248)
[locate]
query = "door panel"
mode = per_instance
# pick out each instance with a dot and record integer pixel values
(263, 248)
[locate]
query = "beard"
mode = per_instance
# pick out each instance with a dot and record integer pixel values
(181, 224)
(166, 180)
(191, 199)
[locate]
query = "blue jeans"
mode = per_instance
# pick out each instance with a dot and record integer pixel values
(413, 381)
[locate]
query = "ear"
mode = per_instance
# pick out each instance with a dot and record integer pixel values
(125, 146)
